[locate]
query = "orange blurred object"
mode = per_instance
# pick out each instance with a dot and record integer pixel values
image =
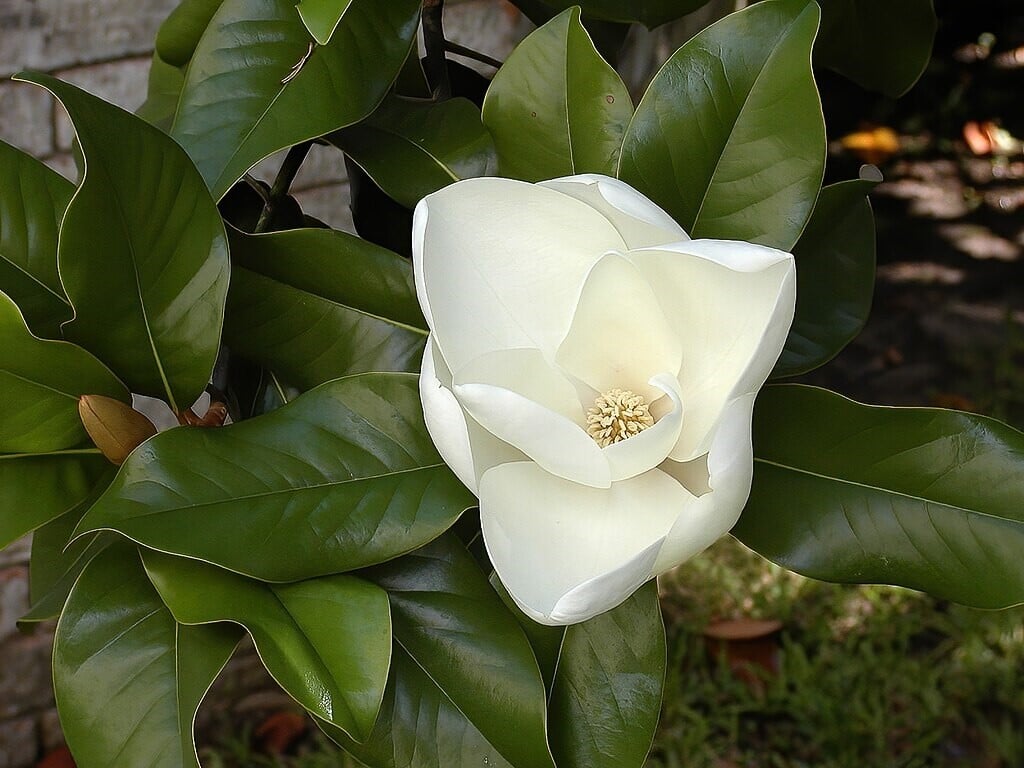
(748, 645)
(872, 145)
(59, 758)
(279, 731)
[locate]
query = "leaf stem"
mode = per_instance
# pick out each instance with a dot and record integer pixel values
(285, 177)
(469, 53)
(69, 452)
(436, 63)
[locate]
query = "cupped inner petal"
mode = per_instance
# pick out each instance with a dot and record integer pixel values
(444, 417)
(619, 337)
(550, 539)
(721, 480)
(500, 264)
(522, 400)
(647, 449)
(731, 305)
(641, 223)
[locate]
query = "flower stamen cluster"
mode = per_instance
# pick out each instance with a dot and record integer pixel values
(618, 415)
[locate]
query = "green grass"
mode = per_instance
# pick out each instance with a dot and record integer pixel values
(869, 677)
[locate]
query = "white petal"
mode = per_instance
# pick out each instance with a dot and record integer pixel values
(641, 223)
(619, 336)
(157, 411)
(556, 443)
(731, 305)
(567, 552)
(730, 468)
(648, 449)
(444, 418)
(500, 264)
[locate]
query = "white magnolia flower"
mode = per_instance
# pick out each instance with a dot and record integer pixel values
(590, 375)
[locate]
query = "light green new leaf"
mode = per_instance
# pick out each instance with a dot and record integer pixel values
(835, 272)
(651, 13)
(919, 497)
(880, 45)
(557, 108)
(326, 641)
(411, 148)
(40, 383)
(322, 17)
(729, 137)
(237, 108)
(37, 488)
(179, 35)
(455, 628)
(607, 692)
(128, 679)
(314, 305)
(32, 202)
(142, 253)
(342, 477)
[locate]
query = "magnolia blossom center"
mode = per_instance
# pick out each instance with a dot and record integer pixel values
(618, 415)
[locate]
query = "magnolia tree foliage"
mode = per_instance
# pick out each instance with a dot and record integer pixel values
(390, 539)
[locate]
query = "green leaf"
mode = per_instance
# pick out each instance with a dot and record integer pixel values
(314, 305)
(322, 17)
(835, 277)
(545, 640)
(411, 148)
(37, 488)
(556, 107)
(40, 383)
(326, 641)
(729, 137)
(162, 94)
(32, 202)
(179, 35)
(57, 562)
(880, 45)
(919, 497)
(342, 477)
(651, 13)
(457, 631)
(237, 109)
(607, 691)
(128, 680)
(142, 254)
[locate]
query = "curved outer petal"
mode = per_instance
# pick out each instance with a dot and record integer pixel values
(444, 418)
(500, 264)
(641, 223)
(649, 448)
(619, 337)
(566, 552)
(724, 485)
(731, 305)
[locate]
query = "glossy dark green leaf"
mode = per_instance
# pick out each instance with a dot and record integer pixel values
(651, 13)
(128, 679)
(729, 137)
(237, 109)
(179, 35)
(378, 218)
(40, 383)
(546, 641)
(162, 93)
(835, 275)
(342, 477)
(142, 254)
(880, 45)
(919, 497)
(326, 641)
(56, 561)
(37, 488)
(456, 629)
(322, 17)
(556, 107)
(314, 305)
(411, 148)
(32, 202)
(607, 692)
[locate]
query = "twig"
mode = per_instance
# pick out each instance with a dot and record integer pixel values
(285, 177)
(435, 63)
(469, 53)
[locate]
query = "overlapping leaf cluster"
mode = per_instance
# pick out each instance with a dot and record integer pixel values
(322, 523)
